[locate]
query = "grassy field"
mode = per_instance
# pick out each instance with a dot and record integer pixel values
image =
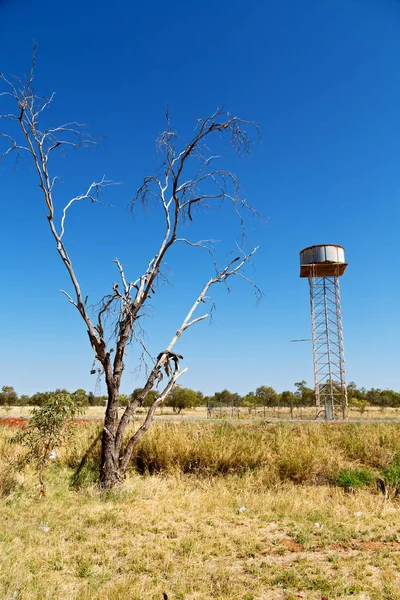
(223, 511)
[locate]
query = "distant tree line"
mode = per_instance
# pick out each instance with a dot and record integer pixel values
(185, 398)
(179, 398)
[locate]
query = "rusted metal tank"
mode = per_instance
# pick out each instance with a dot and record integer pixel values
(323, 260)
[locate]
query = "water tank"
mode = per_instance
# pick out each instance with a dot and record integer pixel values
(324, 260)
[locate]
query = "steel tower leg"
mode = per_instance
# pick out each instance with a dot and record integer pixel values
(328, 348)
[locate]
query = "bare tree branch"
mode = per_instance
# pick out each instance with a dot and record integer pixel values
(205, 244)
(92, 194)
(163, 359)
(38, 144)
(126, 456)
(187, 180)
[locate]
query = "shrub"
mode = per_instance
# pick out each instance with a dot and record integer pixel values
(47, 429)
(391, 477)
(181, 398)
(354, 479)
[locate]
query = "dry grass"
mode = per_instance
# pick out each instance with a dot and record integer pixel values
(311, 453)
(182, 535)
(371, 413)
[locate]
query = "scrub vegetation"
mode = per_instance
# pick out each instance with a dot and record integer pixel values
(227, 511)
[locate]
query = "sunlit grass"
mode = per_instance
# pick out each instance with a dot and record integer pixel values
(183, 534)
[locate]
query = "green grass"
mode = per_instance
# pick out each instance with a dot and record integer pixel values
(391, 476)
(355, 479)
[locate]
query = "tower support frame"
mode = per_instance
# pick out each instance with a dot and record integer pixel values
(328, 348)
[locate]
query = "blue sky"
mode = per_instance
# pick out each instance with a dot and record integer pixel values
(321, 79)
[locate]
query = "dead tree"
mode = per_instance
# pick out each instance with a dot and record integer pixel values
(187, 182)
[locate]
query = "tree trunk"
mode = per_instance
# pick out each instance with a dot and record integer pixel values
(109, 472)
(109, 475)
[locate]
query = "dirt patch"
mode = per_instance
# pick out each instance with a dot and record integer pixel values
(358, 545)
(375, 545)
(291, 545)
(18, 422)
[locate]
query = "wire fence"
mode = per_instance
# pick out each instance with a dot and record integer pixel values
(230, 410)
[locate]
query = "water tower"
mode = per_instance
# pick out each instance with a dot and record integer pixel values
(323, 265)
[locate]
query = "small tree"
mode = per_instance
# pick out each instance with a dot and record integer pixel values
(147, 400)
(266, 395)
(200, 399)
(187, 180)
(181, 398)
(305, 396)
(227, 399)
(81, 397)
(48, 428)
(24, 400)
(8, 396)
(360, 405)
(288, 399)
(249, 401)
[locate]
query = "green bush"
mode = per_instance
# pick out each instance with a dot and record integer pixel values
(49, 427)
(391, 476)
(354, 479)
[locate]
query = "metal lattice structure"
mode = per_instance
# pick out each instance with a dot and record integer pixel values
(328, 348)
(323, 265)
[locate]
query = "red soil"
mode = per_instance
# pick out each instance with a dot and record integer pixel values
(20, 422)
(13, 422)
